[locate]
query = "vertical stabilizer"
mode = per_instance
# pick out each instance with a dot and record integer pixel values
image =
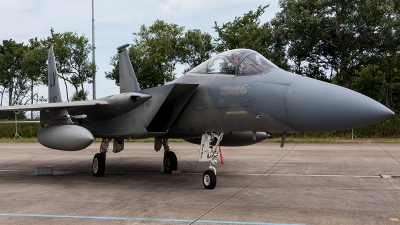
(127, 78)
(54, 87)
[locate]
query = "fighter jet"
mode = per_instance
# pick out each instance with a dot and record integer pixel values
(236, 98)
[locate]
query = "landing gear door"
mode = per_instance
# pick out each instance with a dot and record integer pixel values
(204, 146)
(118, 145)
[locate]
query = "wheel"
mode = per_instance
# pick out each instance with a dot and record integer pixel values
(98, 165)
(170, 162)
(209, 179)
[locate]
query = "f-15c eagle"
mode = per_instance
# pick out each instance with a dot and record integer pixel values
(235, 98)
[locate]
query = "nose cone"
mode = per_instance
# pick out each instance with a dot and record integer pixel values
(314, 106)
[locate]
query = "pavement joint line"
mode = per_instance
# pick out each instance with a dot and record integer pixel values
(326, 175)
(387, 152)
(216, 206)
(287, 153)
(62, 172)
(161, 220)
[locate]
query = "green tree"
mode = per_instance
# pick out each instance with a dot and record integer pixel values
(196, 47)
(80, 96)
(114, 73)
(34, 67)
(72, 59)
(368, 80)
(2, 74)
(380, 81)
(248, 32)
(11, 77)
(158, 48)
(339, 35)
(153, 54)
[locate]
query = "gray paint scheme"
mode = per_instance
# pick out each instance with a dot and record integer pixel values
(236, 138)
(74, 137)
(234, 100)
(127, 78)
(54, 86)
(276, 101)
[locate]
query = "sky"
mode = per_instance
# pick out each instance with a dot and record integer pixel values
(115, 22)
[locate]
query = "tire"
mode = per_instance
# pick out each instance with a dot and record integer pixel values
(209, 179)
(98, 165)
(170, 162)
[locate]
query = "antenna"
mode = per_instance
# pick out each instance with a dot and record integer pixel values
(16, 125)
(352, 134)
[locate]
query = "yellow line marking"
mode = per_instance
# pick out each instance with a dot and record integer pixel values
(394, 219)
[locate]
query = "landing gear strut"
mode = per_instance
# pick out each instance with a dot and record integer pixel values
(209, 153)
(99, 159)
(170, 162)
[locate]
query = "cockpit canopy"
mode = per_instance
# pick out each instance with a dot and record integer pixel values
(235, 62)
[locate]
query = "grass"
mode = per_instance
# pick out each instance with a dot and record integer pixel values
(18, 140)
(384, 131)
(273, 140)
(334, 140)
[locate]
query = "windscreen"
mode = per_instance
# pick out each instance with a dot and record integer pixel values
(235, 62)
(255, 64)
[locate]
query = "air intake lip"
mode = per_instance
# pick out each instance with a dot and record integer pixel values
(134, 98)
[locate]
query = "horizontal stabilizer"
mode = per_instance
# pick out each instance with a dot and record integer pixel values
(94, 110)
(5, 111)
(117, 105)
(51, 106)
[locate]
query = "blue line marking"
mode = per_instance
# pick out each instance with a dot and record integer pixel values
(166, 220)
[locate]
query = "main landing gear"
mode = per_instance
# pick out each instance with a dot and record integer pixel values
(98, 165)
(99, 159)
(208, 153)
(170, 162)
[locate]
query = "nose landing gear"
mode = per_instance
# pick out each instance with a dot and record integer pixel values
(209, 153)
(209, 179)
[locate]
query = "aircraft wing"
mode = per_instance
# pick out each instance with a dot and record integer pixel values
(53, 106)
(101, 109)
(6, 111)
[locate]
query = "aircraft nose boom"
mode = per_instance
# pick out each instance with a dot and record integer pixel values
(313, 106)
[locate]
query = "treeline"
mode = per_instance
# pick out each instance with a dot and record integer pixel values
(24, 66)
(7, 130)
(350, 43)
